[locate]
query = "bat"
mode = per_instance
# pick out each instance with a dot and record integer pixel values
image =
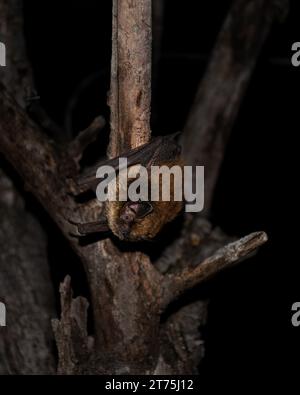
(136, 220)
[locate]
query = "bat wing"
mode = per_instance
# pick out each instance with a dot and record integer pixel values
(159, 149)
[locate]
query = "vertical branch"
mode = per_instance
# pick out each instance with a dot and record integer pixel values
(130, 94)
(224, 84)
(129, 332)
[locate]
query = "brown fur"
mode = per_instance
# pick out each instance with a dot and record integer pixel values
(136, 220)
(150, 225)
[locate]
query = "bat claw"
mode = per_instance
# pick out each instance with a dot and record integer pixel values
(87, 228)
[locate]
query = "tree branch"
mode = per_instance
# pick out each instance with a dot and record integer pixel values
(86, 137)
(130, 90)
(176, 284)
(35, 159)
(74, 345)
(223, 85)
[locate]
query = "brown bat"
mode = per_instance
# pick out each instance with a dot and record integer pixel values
(139, 220)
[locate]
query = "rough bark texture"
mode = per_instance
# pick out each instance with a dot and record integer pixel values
(26, 343)
(221, 91)
(130, 95)
(129, 293)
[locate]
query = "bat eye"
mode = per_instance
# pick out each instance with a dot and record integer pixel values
(135, 210)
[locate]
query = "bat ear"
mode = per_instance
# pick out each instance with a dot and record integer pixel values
(142, 209)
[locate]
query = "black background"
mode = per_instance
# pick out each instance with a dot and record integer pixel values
(69, 42)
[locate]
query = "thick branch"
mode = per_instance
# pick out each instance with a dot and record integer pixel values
(176, 284)
(127, 333)
(130, 91)
(223, 85)
(34, 157)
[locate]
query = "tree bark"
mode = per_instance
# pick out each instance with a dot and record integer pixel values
(26, 342)
(25, 284)
(130, 94)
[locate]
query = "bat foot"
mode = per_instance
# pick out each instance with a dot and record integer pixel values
(78, 232)
(88, 228)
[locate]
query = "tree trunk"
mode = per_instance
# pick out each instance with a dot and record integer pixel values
(25, 284)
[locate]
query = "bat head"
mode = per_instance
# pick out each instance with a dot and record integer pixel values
(132, 213)
(136, 221)
(141, 220)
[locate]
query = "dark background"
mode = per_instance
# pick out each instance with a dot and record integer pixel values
(69, 43)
